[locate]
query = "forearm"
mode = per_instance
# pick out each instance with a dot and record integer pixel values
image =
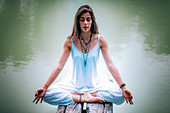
(53, 76)
(115, 73)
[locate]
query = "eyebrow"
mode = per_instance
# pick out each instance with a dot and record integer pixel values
(87, 17)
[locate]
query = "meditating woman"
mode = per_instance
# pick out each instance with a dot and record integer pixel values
(84, 83)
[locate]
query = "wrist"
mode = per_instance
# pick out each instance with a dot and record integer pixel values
(123, 85)
(123, 88)
(45, 86)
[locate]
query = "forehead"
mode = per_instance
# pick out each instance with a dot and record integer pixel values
(86, 15)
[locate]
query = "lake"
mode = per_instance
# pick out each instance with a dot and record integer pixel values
(32, 34)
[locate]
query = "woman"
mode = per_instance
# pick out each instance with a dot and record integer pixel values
(84, 84)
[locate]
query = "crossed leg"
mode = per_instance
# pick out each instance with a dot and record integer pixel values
(58, 96)
(87, 97)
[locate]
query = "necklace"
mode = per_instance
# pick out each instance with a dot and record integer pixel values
(86, 43)
(86, 49)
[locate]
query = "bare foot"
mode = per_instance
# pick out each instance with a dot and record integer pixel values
(87, 97)
(94, 94)
(74, 93)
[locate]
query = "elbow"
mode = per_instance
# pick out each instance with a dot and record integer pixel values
(59, 67)
(110, 67)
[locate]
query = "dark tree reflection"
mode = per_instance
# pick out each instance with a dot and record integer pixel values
(153, 22)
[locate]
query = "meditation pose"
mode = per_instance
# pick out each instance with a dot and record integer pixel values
(84, 83)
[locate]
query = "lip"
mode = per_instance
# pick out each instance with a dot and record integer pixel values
(85, 27)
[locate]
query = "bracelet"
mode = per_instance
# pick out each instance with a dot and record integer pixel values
(45, 85)
(123, 85)
(80, 98)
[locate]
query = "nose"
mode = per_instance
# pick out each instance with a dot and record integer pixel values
(85, 21)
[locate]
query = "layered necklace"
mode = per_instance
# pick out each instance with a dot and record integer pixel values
(86, 48)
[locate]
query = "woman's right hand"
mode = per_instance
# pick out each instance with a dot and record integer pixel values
(39, 94)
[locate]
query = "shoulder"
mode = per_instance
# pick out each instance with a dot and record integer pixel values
(102, 41)
(68, 43)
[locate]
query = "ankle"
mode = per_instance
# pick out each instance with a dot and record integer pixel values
(76, 98)
(81, 98)
(94, 94)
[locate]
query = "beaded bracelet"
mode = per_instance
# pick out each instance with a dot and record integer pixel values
(123, 85)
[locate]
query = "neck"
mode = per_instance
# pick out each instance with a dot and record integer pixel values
(86, 36)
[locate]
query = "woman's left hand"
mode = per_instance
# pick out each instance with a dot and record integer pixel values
(127, 94)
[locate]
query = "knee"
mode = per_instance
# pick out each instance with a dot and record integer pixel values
(120, 100)
(57, 98)
(117, 99)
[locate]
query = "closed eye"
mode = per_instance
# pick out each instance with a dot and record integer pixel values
(88, 19)
(82, 19)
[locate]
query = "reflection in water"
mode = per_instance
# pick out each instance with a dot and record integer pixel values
(27, 10)
(17, 27)
(32, 33)
(153, 23)
(2, 2)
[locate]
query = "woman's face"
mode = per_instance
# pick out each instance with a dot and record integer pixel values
(85, 22)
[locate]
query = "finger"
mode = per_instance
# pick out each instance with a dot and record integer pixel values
(101, 101)
(36, 92)
(130, 101)
(35, 99)
(130, 94)
(41, 99)
(35, 95)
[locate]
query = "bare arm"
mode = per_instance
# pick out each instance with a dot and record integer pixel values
(61, 63)
(111, 67)
(113, 70)
(39, 93)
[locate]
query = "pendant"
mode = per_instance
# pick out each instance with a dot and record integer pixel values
(85, 63)
(85, 58)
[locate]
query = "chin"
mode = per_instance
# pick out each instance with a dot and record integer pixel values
(85, 31)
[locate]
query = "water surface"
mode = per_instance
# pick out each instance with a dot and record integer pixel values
(32, 34)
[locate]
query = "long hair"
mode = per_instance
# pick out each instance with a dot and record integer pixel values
(76, 27)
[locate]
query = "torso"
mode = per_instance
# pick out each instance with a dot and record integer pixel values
(92, 45)
(85, 66)
(78, 81)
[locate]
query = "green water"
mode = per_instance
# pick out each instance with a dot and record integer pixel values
(32, 33)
